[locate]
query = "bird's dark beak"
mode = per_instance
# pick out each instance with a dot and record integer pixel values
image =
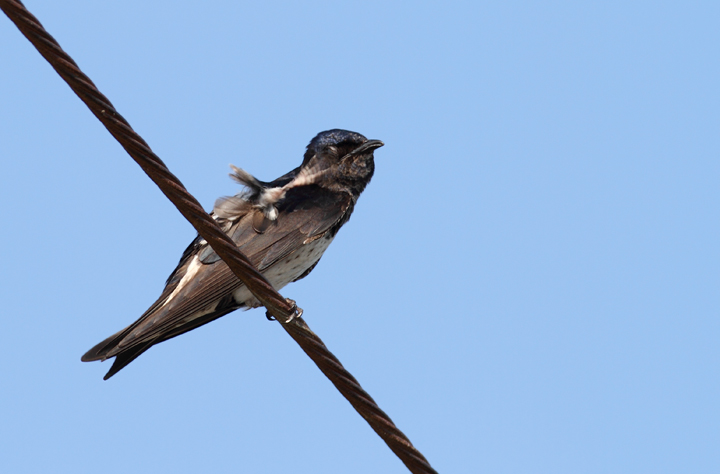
(366, 147)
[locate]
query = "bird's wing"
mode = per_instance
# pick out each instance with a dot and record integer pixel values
(197, 293)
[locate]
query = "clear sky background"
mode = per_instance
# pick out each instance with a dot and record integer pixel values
(530, 284)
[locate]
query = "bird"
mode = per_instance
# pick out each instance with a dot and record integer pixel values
(282, 226)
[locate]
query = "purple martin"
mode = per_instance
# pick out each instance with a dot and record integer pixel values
(282, 226)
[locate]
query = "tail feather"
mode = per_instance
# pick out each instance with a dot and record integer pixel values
(100, 350)
(109, 347)
(125, 357)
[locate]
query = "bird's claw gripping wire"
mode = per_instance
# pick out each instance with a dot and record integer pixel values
(296, 312)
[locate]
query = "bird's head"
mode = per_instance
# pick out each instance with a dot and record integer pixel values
(345, 159)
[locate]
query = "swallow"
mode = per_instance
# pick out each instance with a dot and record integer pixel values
(282, 226)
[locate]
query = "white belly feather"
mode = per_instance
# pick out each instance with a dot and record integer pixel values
(286, 270)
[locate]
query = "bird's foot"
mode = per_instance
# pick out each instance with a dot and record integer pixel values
(296, 312)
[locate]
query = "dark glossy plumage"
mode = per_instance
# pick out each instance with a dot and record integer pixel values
(282, 226)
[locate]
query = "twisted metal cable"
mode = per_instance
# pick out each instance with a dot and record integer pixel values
(283, 310)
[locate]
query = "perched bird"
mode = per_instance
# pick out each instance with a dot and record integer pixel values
(283, 227)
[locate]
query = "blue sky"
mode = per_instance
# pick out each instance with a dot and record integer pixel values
(529, 284)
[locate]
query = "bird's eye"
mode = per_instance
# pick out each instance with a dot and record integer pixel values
(331, 150)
